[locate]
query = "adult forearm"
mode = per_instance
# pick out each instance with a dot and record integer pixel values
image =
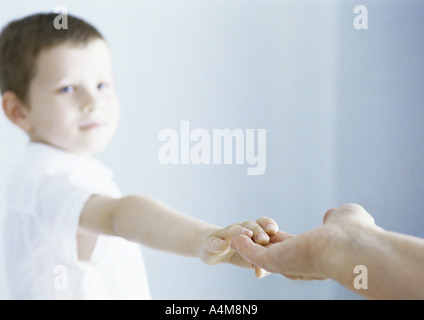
(149, 222)
(379, 264)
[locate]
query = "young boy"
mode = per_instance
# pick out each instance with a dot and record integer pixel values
(70, 234)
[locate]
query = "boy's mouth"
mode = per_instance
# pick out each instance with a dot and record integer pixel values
(91, 125)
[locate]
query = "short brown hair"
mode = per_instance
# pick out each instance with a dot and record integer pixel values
(21, 42)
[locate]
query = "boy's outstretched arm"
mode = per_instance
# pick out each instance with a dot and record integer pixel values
(146, 221)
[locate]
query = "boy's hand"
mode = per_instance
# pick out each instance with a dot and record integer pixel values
(215, 247)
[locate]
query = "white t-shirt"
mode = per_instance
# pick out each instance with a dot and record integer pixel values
(46, 195)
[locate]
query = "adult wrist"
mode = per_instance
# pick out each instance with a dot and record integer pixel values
(344, 246)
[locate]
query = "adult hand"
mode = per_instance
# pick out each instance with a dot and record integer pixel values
(308, 255)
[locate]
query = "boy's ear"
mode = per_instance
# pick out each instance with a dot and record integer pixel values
(15, 110)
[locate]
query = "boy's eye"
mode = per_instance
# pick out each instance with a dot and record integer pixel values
(67, 89)
(101, 86)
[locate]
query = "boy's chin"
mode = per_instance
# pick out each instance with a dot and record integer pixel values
(90, 149)
(94, 150)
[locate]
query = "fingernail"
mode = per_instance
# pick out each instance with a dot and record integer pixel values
(261, 236)
(247, 232)
(270, 228)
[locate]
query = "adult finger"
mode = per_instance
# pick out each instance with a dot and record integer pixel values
(281, 236)
(252, 252)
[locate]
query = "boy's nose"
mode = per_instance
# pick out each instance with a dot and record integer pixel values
(88, 107)
(90, 103)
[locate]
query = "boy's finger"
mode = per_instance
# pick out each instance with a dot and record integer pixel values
(218, 245)
(261, 273)
(232, 231)
(268, 224)
(259, 234)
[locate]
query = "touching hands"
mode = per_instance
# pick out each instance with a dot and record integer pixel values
(215, 247)
(307, 255)
(348, 238)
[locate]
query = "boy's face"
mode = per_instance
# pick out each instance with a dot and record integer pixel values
(72, 100)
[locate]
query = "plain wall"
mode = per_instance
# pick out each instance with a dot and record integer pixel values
(323, 91)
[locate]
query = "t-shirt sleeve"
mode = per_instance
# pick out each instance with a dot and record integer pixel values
(60, 202)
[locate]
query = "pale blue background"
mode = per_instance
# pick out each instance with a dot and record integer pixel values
(343, 110)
